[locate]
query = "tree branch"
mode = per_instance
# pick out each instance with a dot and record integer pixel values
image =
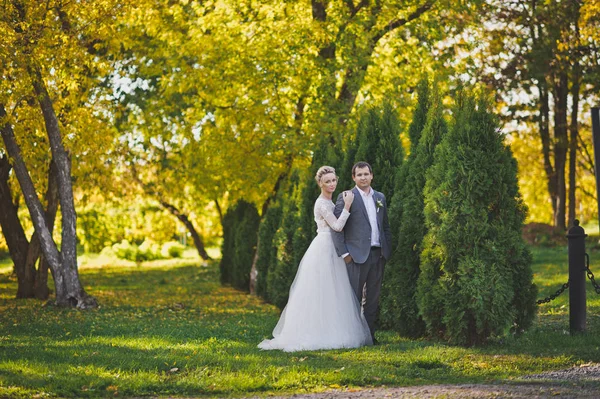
(396, 23)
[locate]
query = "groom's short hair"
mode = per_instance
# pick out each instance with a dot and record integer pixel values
(361, 164)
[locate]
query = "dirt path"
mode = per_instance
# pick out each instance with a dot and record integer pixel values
(463, 392)
(576, 382)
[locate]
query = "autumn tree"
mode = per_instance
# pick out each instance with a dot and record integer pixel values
(541, 60)
(292, 80)
(47, 61)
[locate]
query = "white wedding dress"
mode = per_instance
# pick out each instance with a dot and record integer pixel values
(322, 311)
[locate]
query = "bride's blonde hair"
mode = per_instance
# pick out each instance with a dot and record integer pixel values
(323, 170)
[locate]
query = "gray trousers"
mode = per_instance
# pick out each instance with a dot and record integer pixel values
(367, 277)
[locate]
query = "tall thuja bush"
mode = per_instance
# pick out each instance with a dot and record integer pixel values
(344, 172)
(378, 138)
(419, 118)
(267, 252)
(282, 272)
(239, 244)
(389, 153)
(246, 227)
(324, 154)
(399, 305)
(227, 247)
(476, 279)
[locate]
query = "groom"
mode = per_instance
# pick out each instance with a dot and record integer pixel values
(365, 242)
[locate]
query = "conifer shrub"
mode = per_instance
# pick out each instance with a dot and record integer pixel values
(476, 278)
(419, 119)
(378, 139)
(267, 252)
(281, 273)
(399, 306)
(239, 240)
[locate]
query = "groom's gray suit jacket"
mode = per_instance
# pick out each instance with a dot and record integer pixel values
(355, 238)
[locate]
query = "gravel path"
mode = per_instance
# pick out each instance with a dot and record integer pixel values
(576, 382)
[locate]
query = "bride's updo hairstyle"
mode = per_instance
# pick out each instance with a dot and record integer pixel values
(323, 170)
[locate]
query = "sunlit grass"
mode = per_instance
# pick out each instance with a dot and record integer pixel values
(168, 328)
(6, 265)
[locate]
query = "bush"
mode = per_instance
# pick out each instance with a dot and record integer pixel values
(378, 138)
(267, 252)
(109, 252)
(240, 226)
(172, 249)
(125, 250)
(281, 274)
(148, 250)
(93, 233)
(476, 279)
(399, 309)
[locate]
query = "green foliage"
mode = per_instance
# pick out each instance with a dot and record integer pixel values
(281, 275)
(93, 229)
(267, 252)
(227, 247)
(148, 250)
(420, 115)
(367, 135)
(123, 250)
(399, 309)
(103, 223)
(345, 172)
(389, 153)
(172, 249)
(378, 139)
(240, 225)
(476, 279)
(417, 125)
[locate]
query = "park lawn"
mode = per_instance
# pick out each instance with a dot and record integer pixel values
(167, 328)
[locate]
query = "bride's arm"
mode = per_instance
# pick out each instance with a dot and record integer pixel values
(336, 224)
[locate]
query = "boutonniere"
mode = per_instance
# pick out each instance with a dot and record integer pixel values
(378, 204)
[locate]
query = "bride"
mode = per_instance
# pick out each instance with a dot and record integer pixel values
(322, 310)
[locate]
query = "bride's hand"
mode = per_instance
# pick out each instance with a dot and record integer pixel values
(348, 198)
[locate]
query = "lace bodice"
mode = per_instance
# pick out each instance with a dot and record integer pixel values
(326, 220)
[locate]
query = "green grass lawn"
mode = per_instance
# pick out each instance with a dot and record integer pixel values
(168, 328)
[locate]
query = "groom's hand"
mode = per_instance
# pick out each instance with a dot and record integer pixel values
(348, 259)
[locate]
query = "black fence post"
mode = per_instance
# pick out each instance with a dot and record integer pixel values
(577, 311)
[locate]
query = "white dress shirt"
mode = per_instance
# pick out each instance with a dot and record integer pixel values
(372, 212)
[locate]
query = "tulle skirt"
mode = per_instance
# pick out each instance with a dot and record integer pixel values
(322, 311)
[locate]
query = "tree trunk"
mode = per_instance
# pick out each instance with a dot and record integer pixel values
(33, 204)
(544, 129)
(12, 229)
(198, 243)
(219, 211)
(69, 291)
(574, 133)
(41, 280)
(32, 283)
(561, 93)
